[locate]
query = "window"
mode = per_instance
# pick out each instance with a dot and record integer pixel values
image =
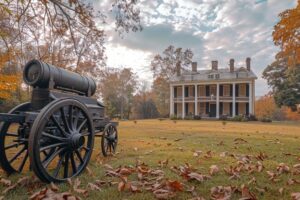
(226, 90)
(210, 76)
(201, 91)
(217, 76)
(242, 90)
(226, 109)
(202, 108)
(213, 90)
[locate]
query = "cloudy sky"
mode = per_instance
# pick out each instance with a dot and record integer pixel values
(213, 29)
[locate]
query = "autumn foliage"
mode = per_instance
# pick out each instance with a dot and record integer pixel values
(286, 35)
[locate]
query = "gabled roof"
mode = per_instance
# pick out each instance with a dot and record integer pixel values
(222, 74)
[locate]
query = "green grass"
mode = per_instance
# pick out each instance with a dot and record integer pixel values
(159, 138)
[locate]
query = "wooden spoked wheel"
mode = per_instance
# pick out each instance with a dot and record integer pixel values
(14, 143)
(109, 140)
(61, 140)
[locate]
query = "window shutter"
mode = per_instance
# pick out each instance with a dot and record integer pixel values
(207, 90)
(247, 108)
(247, 90)
(186, 108)
(221, 90)
(193, 91)
(236, 90)
(230, 107)
(231, 89)
(175, 108)
(175, 92)
(186, 91)
(207, 108)
(221, 108)
(236, 108)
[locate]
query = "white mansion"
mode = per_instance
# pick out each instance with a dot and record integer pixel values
(213, 93)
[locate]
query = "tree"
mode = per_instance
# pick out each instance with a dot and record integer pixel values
(283, 75)
(163, 68)
(284, 82)
(286, 35)
(265, 107)
(144, 105)
(117, 88)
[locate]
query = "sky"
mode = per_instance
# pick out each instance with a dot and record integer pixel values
(212, 29)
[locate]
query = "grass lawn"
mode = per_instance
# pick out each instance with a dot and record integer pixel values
(152, 141)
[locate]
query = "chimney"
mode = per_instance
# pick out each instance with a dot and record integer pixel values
(231, 65)
(248, 63)
(178, 69)
(194, 66)
(214, 65)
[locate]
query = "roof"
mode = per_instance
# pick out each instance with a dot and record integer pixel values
(222, 74)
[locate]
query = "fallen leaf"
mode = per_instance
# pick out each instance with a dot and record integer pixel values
(214, 169)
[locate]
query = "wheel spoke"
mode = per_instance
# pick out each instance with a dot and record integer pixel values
(75, 123)
(71, 116)
(17, 155)
(64, 119)
(12, 145)
(74, 167)
(12, 134)
(82, 124)
(58, 166)
(58, 125)
(79, 156)
(50, 158)
(85, 134)
(23, 162)
(53, 136)
(66, 169)
(52, 146)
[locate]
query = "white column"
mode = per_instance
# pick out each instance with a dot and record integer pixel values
(250, 98)
(218, 101)
(233, 99)
(171, 100)
(196, 99)
(183, 106)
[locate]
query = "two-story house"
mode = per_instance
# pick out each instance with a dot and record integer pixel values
(213, 93)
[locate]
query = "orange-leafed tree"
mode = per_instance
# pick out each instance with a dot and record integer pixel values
(265, 107)
(286, 35)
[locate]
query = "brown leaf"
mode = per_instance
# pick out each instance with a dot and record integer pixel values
(295, 196)
(214, 169)
(93, 186)
(221, 193)
(134, 189)
(283, 168)
(5, 182)
(53, 187)
(163, 163)
(281, 190)
(247, 195)
(174, 185)
(163, 194)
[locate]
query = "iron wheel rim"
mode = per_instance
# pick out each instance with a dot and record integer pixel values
(72, 140)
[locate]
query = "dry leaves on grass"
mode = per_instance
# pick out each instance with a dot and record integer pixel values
(48, 194)
(283, 168)
(29, 182)
(222, 192)
(163, 163)
(189, 173)
(295, 196)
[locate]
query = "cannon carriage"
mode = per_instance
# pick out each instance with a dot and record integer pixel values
(53, 134)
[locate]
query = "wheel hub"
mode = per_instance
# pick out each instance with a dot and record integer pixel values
(77, 140)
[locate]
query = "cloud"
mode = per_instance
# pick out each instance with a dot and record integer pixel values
(213, 29)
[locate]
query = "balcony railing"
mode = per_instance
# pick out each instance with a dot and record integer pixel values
(210, 98)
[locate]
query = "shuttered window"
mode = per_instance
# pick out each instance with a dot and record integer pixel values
(226, 90)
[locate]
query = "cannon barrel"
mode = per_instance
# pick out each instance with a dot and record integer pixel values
(42, 75)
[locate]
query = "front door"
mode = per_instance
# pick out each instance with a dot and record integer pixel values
(212, 110)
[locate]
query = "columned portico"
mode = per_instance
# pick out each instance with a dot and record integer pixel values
(213, 93)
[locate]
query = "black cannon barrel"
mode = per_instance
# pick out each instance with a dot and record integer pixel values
(39, 74)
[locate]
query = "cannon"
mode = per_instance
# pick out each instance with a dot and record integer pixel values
(53, 134)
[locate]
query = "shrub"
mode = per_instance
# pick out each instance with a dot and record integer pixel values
(223, 117)
(173, 117)
(266, 120)
(237, 118)
(252, 117)
(197, 117)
